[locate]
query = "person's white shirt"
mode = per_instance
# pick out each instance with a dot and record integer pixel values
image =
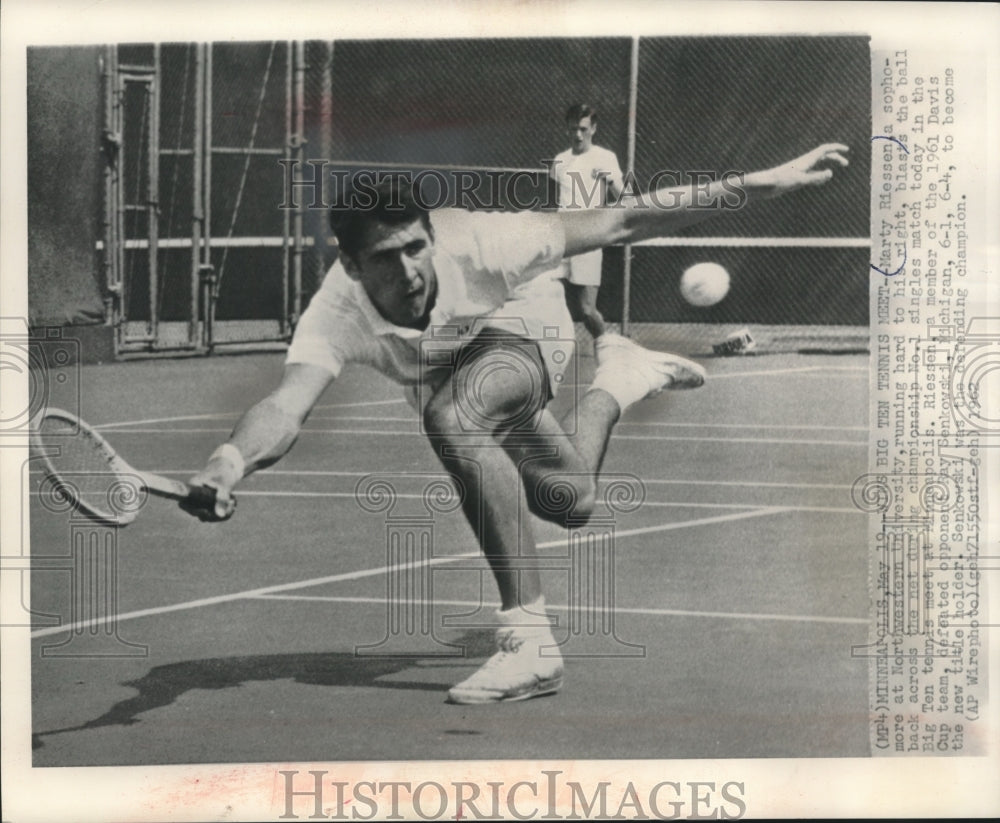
(579, 177)
(584, 180)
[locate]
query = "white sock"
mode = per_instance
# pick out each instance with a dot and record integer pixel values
(529, 615)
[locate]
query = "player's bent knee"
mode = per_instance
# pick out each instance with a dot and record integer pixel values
(503, 392)
(500, 384)
(564, 499)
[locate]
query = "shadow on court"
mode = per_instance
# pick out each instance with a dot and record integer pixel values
(163, 685)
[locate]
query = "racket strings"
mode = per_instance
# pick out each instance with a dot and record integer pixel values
(82, 470)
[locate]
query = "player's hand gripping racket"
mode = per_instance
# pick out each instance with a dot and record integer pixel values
(86, 470)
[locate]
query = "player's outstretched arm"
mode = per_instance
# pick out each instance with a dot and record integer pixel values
(660, 213)
(261, 437)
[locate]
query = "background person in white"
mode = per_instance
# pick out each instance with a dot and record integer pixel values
(397, 282)
(588, 176)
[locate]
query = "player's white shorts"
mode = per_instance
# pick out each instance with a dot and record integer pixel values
(544, 319)
(583, 269)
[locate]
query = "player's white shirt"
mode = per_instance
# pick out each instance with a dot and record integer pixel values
(579, 179)
(490, 266)
(578, 176)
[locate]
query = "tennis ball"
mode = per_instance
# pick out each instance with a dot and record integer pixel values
(704, 284)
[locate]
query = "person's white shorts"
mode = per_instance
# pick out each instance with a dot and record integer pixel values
(583, 269)
(536, 315)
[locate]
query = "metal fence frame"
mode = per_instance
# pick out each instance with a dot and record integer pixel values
(201, 334)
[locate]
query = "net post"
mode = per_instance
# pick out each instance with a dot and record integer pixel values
(206, 195)
(286, 223)
(197, 334)
(322, 239)
(153, 191)
(298, 49)
(633, 88)
(112, 147)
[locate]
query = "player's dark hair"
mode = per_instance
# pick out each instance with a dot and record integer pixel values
(578, 111)
(390, 201)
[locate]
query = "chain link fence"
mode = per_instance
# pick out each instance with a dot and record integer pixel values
(718, 104)
(479, 119)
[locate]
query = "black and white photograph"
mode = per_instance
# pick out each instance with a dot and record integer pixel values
(428, 413)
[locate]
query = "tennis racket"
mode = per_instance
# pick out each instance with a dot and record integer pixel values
(86, 471)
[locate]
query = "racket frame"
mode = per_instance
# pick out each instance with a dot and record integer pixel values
(117, 465)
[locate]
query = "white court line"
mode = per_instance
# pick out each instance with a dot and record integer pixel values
(361, 403)
(228, 598)
(357, 575)
(656, 504)
(751, 483)
(369, 418)
(649, 423)
(453, 498)
(111, 428)
(385, 433)
(779, 440)
(651, 503)
(399, 401)
(713, 376)
(222, 415)
(798, 370)
(661, 504)
(148, 420)
(779, 426)
(797, 618)
(647, 481)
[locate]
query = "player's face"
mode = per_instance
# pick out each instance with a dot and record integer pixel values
(396, 269)
(581, 134)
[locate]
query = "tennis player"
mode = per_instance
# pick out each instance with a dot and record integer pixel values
(587, 176)
(481, 285)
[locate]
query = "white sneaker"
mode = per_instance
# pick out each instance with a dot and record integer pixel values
(629, 372)
(517, 671)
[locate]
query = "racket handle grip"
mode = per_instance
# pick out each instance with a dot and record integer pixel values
(205, 498)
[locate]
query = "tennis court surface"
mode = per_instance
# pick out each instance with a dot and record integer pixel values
(739, 584)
